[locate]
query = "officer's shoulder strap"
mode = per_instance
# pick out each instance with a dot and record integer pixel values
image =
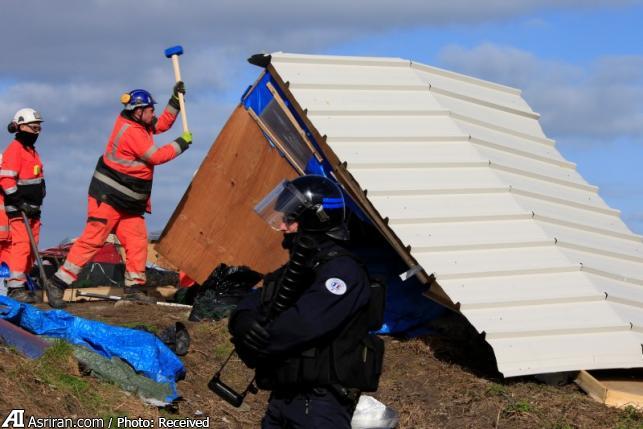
(336, 252)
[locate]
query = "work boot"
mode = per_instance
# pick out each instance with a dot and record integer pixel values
(138, 294)
(55, 289)
(22, 294)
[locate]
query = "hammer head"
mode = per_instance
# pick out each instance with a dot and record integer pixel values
(174, 50)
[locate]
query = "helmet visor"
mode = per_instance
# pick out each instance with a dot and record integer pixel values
(281, 206)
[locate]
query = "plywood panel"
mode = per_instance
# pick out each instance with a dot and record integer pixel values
(215, 221)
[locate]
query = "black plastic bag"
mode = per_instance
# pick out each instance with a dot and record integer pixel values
(222, 291)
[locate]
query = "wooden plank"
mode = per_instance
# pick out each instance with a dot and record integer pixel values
(358, 195)
(591, 386)
(615, 388)
(215, 220)
(71, 294)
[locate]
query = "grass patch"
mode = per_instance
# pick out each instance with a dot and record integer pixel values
(222, 350)
(518, 407)
(497, 390)
(562, 426)
(141, 326)
(56, 368)
(630, 418)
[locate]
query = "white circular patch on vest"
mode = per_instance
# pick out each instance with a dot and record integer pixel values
(336, 286)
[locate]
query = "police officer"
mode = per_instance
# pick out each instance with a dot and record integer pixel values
(314, 353)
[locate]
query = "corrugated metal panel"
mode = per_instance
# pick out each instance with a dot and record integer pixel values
(468, 180)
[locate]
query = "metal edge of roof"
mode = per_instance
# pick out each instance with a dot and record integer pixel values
(332, 59)
(288, 57)
(358, 61)
(468, 79)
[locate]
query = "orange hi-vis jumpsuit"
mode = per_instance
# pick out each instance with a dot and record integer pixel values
(22, 180)
(119, 195)
(5, 236)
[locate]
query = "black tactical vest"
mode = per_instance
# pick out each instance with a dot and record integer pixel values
(349, 356)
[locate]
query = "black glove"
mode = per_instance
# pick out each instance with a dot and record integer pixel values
(29, 210)
(179, 88)
(256, 339)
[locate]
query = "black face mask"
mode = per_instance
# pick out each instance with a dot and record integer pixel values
(27, 139)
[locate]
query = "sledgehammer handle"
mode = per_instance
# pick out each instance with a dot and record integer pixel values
(177, 75)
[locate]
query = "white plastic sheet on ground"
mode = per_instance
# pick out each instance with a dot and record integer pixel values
(372, 414)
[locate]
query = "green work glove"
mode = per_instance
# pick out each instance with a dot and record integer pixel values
(184, 141)
(179, 88)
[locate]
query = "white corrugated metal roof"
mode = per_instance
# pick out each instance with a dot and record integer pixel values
(467, 178)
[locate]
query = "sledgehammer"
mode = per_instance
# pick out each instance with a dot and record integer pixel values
(174, 53)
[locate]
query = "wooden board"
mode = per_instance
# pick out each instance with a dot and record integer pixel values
(71, 294)
(215, 221)
(616, 388)
(154, 257)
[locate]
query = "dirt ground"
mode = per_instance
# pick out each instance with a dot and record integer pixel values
(443, 380)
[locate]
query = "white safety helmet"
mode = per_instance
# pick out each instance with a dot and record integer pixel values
(27, 116)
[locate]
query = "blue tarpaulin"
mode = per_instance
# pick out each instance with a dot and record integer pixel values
(407, 310)
(146, 353)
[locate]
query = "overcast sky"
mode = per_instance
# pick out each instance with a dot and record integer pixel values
(578, 62)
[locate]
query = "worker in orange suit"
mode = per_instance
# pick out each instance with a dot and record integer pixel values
(119, 192)
(23, 186)
(5, 235)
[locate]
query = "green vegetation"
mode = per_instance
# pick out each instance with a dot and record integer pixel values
(497, 390)
(562, 426)
(57, 367)
(141, 326)
(54, 368)
(222, 350)
(630, 418)
(518, 407)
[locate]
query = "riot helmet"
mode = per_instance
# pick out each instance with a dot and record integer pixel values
(316, 203)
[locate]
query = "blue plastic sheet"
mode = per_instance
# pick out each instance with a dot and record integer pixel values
(143, 351)
(407, 309)
(4, 270)
(260, 96)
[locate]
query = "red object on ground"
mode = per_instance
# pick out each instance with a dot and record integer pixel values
(185, 280)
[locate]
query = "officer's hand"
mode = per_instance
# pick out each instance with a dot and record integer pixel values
(29, 210)
(185, 140)
(256, 339)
